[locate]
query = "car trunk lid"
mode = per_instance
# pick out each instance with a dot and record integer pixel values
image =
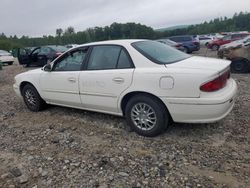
(202, 63)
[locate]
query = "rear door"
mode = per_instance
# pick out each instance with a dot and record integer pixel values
(108, 73)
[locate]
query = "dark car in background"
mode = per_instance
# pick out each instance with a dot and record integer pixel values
(189, 42)
(39, 56)
(171, 43)
(215, 44)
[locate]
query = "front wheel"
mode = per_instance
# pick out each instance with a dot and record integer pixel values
(32, 98)
(146, 115)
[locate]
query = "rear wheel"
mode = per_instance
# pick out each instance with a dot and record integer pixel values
(32, 98)
(240, 66)
(146, 115)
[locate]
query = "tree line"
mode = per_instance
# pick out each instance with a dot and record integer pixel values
(238, 22)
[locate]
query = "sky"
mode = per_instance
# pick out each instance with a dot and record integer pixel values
(36, 18)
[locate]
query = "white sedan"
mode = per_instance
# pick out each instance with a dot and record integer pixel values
(147, 82)
(6, 57)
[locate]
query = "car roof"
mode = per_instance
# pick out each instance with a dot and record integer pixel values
(182, 36)
(122, 42)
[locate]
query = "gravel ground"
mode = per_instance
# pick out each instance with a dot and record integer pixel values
(63, 147)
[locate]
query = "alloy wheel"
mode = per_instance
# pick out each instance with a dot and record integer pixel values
(143, 116)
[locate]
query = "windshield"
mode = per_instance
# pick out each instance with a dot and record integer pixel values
(159, 53)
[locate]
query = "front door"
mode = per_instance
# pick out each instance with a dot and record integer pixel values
(23, 56)
(61, 85)
(107, 74)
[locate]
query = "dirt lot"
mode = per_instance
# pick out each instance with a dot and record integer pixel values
(62, 147)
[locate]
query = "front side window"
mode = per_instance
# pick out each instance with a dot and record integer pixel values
(158, 52)
(72, 61)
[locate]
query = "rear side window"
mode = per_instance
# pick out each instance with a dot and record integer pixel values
(158, 52)
(124, 61)
(108, 57)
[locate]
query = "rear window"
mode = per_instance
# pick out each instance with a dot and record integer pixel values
(158, 52)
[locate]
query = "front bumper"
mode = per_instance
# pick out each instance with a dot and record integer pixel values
(204, 109)
(17, 90)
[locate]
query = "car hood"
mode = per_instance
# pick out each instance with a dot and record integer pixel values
(34, 71)
(203, 63)
(39, 70)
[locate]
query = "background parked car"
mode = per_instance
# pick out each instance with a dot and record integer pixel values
(6, 57)
(215, 44)
(239, 53)
(204, 40)
(39, 55)
(171, 43)
(245, 41)
(189, 42)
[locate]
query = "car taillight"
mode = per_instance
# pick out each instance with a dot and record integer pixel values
(196, 42)
(217, 83)
(178, 45)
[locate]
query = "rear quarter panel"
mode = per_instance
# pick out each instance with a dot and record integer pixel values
(185, 84)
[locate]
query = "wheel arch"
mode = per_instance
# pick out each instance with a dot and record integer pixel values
(24, 83)
(129, 95)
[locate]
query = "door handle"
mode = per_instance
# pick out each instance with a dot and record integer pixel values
(71, 79)
(118, 80)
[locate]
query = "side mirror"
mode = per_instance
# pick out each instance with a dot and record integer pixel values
(47, 68)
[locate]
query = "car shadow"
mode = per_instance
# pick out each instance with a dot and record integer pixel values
(174, 129)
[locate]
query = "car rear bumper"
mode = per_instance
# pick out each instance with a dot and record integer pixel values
(203, 110)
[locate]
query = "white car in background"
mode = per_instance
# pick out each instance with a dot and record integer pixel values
(6, 57)
(204, 40)
(146, 81)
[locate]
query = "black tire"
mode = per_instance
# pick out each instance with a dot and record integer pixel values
(10, 63)
(215, 47)
(154, 109)
(240, 66)
(32, 98)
